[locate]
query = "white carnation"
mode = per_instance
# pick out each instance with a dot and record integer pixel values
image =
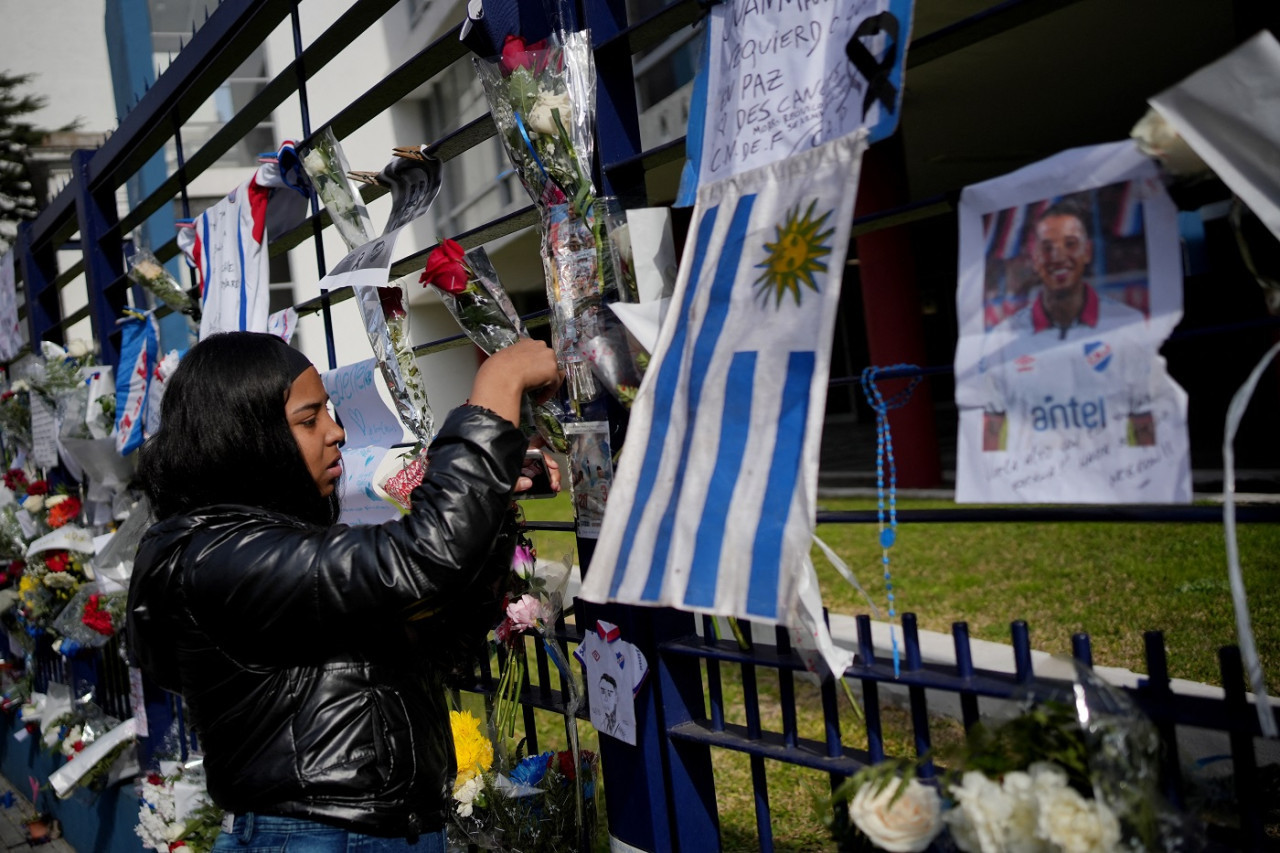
(54, 500)
(20, 385)
(33, 503)
(908, 822)
(1076, 825)
(466, 795)
(982, 809)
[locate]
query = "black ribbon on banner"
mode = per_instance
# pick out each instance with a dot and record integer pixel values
(875, 71)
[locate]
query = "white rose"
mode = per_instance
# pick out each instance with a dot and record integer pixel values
(1076, 825)
(33, 503)
(52, 351)
(909, 823)
(54, 500)
(79, 348)
(20, 385)
(540, 119)
(175, 831)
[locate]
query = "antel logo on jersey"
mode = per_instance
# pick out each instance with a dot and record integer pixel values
(1025, 363)
(1098, 355)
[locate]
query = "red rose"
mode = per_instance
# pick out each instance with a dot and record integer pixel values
(516, 54)
(154, 779)
(57, 561)
(38, 487)
(445, 268)
(7, 395)
(566, 765)
(14, 478)
(392, 299)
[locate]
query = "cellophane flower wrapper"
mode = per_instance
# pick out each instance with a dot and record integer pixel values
(327, 167)
(528, 804)
(487, 317)
(543, 104)
(146, 270)
(71, 624)
(15, 418)
(1124, 767)
(388, 328)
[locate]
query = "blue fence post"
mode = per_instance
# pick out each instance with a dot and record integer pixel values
(103, 257)
(39, 268)
(660, 793)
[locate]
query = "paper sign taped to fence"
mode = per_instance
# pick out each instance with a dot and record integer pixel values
(359, 498)
(44, 433)
(783, 78)
(1070, 280)
(353, 390)
(715, 495)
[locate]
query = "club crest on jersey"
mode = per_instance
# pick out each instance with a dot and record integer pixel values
(1024, 363)
(1098, 355)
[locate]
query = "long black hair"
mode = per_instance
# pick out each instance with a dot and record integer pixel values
(224, 437)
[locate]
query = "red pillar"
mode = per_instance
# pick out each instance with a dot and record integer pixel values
(891, 305)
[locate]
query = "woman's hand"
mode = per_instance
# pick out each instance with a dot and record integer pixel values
(528, 365)
(525, 481)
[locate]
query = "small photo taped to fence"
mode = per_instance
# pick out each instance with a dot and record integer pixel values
(591, 473)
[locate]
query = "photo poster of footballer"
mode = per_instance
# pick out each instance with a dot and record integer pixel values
(1070, 279)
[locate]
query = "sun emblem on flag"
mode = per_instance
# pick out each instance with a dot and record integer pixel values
(794, 256)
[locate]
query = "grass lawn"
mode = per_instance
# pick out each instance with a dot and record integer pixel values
(1110, 580)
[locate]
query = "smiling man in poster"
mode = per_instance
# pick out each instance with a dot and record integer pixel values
(1070, 282)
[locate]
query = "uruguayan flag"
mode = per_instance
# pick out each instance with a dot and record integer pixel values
(713, 503)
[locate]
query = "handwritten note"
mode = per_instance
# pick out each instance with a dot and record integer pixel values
(788, 75)
(361, 503)
(44, 433)
(364, 415)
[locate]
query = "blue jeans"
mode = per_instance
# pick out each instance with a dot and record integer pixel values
(260, 833)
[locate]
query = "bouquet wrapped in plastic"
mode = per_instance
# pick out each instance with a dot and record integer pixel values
(1060, 776)
(327, 167)
(146, 270)
(468, 286)
(542, 99)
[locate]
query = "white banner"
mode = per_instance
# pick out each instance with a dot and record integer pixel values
(783, 78)
(714, 498)
(1070, 280)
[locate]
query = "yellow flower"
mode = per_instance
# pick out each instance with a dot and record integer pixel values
(473, 750)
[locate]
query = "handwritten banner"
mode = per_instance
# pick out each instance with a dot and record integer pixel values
(784, 77)
(366, 418)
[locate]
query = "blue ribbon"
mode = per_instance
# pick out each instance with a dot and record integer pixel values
(528, 143)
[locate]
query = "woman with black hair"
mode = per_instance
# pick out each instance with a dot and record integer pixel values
(311, 654)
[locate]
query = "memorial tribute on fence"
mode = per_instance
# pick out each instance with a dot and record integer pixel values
(714, 504)
(1070, 280)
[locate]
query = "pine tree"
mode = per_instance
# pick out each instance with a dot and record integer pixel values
(17, 201)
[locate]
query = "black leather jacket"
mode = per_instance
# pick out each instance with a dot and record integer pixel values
(292, 644)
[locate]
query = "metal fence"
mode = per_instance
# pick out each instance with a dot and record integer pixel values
(661, 793)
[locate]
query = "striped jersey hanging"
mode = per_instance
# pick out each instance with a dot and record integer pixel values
(713, 503)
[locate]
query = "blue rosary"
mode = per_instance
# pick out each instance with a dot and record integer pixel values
(884, 452)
